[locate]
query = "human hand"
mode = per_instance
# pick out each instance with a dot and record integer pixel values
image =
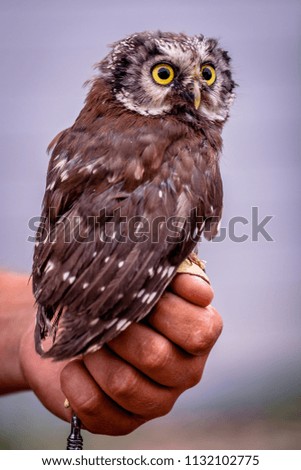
(140, 374)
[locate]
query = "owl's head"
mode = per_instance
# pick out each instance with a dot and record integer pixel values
(158, 73)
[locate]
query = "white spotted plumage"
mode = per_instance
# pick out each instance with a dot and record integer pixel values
(49, 266)
(122, 324)
(142, 151)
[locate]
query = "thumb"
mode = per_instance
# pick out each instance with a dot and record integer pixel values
(192, 288)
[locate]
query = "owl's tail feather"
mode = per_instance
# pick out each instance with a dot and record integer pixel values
(41, 330)
(44, 327)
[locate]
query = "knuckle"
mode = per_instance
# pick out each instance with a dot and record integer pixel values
(205, 334)
(195, 374)
(65, 375)
(216, 324)
(165, 406)
(157, 355)
(87, 402)
(160, 406)
(208, 297)
(123, 383)
(88, 405)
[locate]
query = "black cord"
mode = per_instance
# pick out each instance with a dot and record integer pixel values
(75, 440)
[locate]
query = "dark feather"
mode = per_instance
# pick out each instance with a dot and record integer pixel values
(92, 277)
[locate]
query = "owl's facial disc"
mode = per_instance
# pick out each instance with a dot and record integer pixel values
(158, 73)
(164, 74)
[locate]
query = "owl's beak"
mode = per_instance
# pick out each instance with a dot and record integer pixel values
(196, 94)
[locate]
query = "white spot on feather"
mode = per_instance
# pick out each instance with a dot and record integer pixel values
(138, 227)
(212, 115)
(123, 324)
(72, 279)
(49, 266)
(151, 272)
(171, 270)
(107, 259)
(151, 297)
(144, 110)
(165, 271)
(160, 193)
(144, 298)
(111, 323)
(94, 321)
(50, 186)
(94, 254)
(140, 293)
(89, 167)
(120, 264)
(46, 239)
(93, 348)
(66, 275)
(85, 285)
(102, 289)
(138, 172)
(159, 269)
(60, 164)
(64, 175)
(38, 292)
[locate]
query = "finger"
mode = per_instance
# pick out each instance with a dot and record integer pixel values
(126, 386)
(157, 357)
(193, 288)
(98, 413)
(195, 329)
(41, 376)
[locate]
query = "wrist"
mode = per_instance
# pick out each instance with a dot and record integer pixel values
(16, 315)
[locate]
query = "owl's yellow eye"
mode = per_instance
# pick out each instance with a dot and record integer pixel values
(208, 74)
(163, 74)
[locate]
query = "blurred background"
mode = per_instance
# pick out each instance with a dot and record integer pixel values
(250, 396)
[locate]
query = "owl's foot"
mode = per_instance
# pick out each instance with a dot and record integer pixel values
(193, 265)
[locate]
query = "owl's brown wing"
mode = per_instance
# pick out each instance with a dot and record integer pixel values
(112, 269)
(93, 274)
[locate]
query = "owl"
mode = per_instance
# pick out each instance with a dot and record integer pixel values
(131, 186)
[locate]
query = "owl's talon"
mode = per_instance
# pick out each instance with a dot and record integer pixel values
(193, 265)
